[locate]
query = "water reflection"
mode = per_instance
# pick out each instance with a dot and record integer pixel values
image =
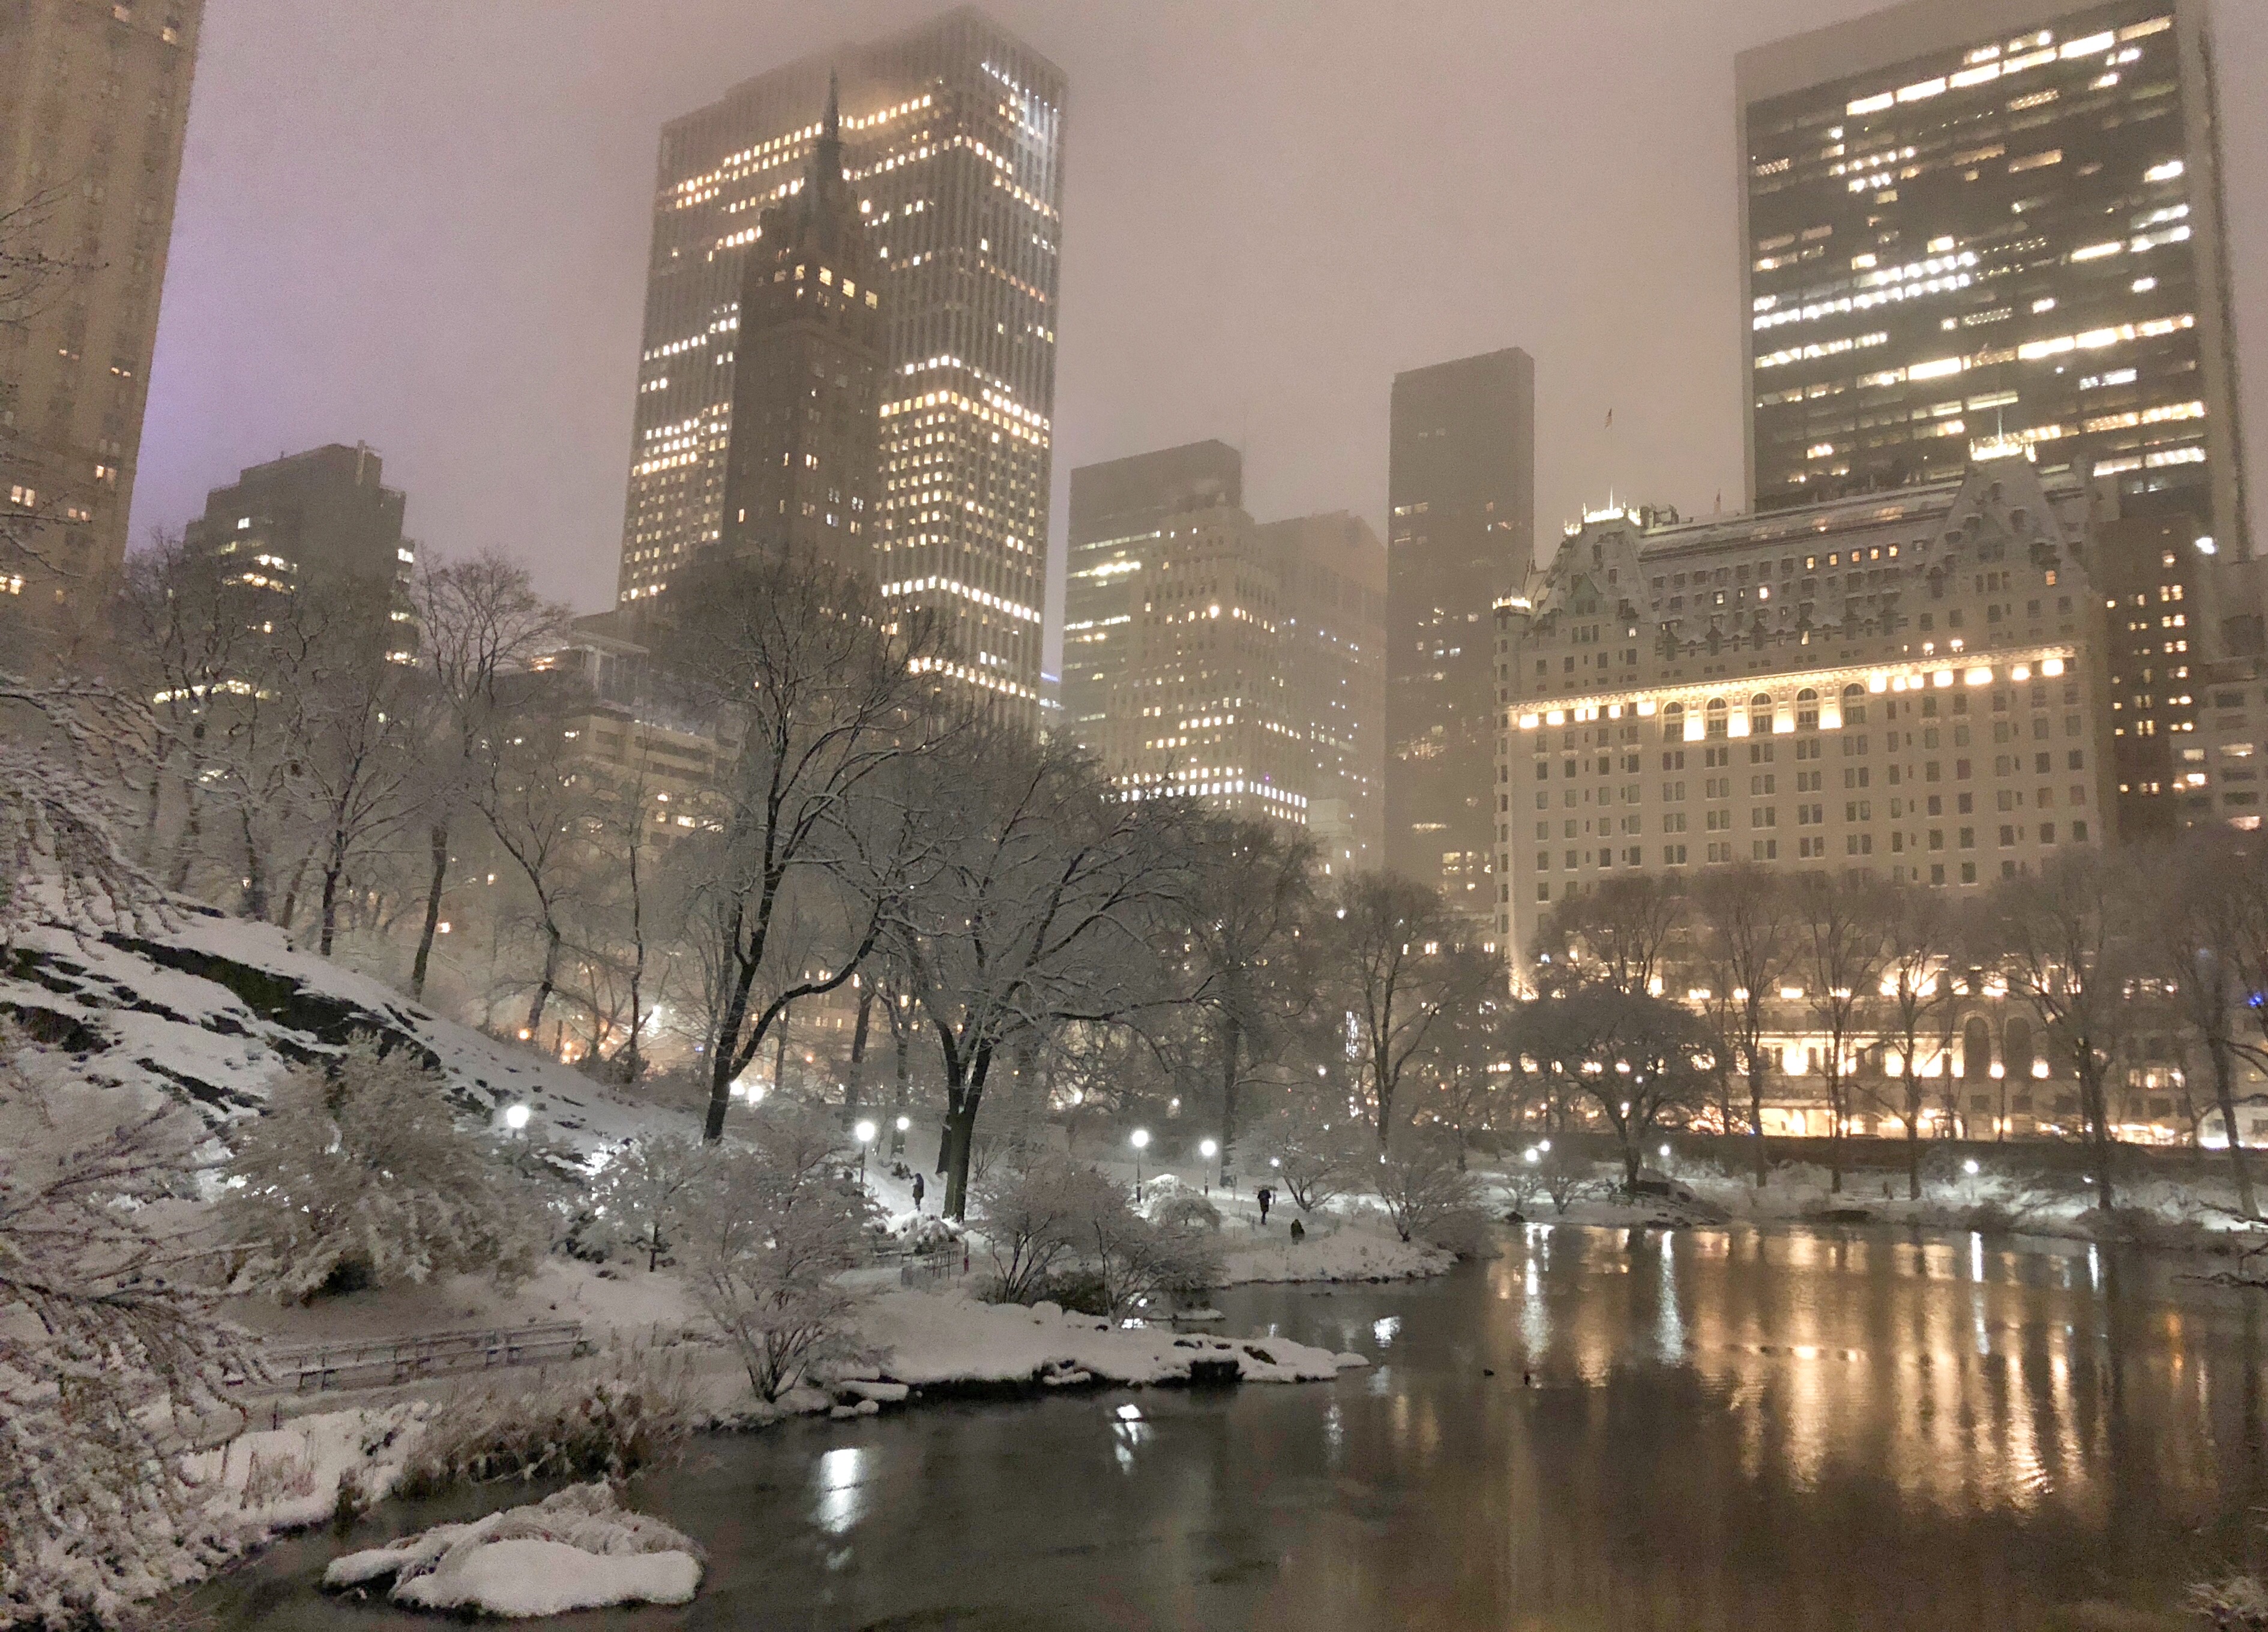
(1591, 1433)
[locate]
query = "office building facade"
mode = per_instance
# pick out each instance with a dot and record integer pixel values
(951, 136)
(1119, 510)
(804, 445)
(1461, 534)
(94, 100)
(1911, 684)
(1967, 223)
(322, 517)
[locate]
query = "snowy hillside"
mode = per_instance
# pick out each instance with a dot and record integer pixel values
(212, 1009)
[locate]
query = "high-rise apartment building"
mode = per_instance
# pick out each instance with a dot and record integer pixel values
(1330, 573)
(1461, 532)
(953, 139)
(323, 516)
(1970, 226)
(94, 96)
(1118, 515)
(803, 449)
(1238, 663)
(1913, 684)
(1971, 222)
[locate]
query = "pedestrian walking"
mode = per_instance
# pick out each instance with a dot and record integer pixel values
(920, 1190)
(1266, 1198)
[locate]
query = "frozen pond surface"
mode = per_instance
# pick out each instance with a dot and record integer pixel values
(1726, 1429)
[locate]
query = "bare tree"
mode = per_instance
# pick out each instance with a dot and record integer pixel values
(1842, 943)
(1042, 900)
(1919, 983)
(1640, 1061)
(2068, 943)
(822, 689)
(479, 622)
(2204, 893)
(1394, 959)
(1751, 938)
(1249, 912)
(1620, 931)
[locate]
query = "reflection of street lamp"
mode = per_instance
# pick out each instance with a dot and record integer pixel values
(1208, 1149)
(864, 1133)
(898, 1136)
(1141, 1142)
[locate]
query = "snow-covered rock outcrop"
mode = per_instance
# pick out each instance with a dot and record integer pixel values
(211, 1010)
(575, 1549)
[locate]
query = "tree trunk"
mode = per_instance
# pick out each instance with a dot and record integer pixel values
(439, 837)
(185, 847)
(544, 987)
(2095, 1106)
(962, 1100)
(854, 1083)
(1834, 1117)
(1757, 1109)
(2224, 1091)
(333, 871)
(1913, 1135)
(1232, 1046)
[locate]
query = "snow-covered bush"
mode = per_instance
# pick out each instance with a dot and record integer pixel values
(1315, 1157)
(772, 1226)
(1184, 1211)
(1566, 1175)
(607, 1418)
(1428, 1197)
(359, 1176)
(104, 1356)
(1139, 1261)
(1031, 1215)
(638, 1199)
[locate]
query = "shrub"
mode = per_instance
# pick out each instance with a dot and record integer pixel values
(637, 1201)
(1184, 1212)
(1031, 1215)
(1314, 1156)
(1428, 1197)
(608, 1419)
(359, 1176)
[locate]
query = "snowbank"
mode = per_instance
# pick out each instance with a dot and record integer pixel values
(214, 1009)
(575, 1549)
(290, 1477)
(940, 1340)
(1353, 1251)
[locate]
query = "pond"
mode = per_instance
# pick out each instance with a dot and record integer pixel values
(1729, 1428)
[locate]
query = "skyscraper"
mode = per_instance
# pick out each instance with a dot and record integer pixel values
(307, 519)
(1971, 226)
(1118, 512)
(951, 138)
(93, 101)
(1330, 573)
(1967, 223)
(807, 376)
(1461, 494)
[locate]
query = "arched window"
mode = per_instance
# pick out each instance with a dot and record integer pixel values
(1673, 723)
(1807, 710)
(1760, 715)
(1976, 1050)
(2017, 1048)
(1854, 704)
(1717, 716)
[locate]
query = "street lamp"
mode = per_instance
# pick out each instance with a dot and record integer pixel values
(1208, 1149)
(1141, 1142)
(898, 1137)
(515, 1117)
(864, 1133)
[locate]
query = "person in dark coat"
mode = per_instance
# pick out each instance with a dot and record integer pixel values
(1266, 1197)
(920, 1190)
(1299, 1231)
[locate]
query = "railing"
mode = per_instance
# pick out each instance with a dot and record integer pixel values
(929, 1269)
(302, 1366)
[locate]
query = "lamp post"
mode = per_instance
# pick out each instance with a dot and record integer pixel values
(1208, 1149)
(864, 1133)
(1141, 1142)
(515, 1117)
(898, 1136)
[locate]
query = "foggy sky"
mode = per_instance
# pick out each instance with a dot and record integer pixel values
(422, 223)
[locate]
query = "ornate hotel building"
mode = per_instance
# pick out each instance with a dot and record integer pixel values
(951, 136)
(1910, 682)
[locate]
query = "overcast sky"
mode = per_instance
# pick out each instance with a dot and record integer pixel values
(422, 223)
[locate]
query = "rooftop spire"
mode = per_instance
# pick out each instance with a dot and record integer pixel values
(827, 152)
(833, 129)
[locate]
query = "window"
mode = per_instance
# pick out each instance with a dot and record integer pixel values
(1859, 844)
(1810, 848)
(1673, 855)
(1807, 710)
(1764, 850)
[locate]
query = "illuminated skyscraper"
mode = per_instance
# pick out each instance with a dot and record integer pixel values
(1968, 222)
(951, 136)
(94, 98)
(1460, 532)
(1972, 225)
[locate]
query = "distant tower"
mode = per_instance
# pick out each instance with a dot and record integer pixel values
(807, 375)
(1461, 531)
